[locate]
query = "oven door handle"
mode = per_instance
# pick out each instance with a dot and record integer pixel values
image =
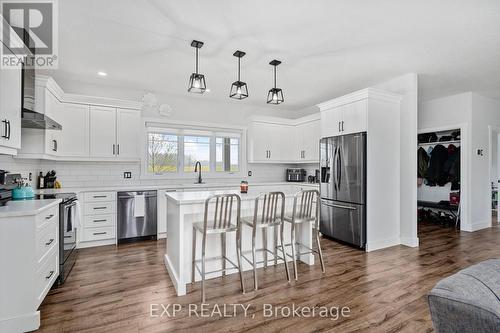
(73, 204)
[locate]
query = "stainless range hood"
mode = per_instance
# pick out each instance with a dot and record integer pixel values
(32, 119)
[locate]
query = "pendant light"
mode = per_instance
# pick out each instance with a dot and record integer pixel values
(197, 82)
(239, 89)
(275, 95)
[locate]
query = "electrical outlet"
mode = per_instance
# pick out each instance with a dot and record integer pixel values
(249, 173)
(127, 174)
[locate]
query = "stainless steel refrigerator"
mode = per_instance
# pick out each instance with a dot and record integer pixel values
(343, 188)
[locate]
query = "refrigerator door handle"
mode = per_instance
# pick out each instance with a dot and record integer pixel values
(338, 173)
(338, 206)
(335, 169)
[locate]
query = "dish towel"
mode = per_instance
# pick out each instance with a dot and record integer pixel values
(77, 220)
(139, 205)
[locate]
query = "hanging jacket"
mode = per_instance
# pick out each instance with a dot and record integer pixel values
(452, 166)
(423, 163)
(436, 173)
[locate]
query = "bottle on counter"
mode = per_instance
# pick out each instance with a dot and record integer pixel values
(41, 181)
(244, 186)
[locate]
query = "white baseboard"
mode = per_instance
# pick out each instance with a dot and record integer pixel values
(161, 235)
(25, 323)
(82, 245)
(179, 286)
(410, 241)
(382, 244)
(478, 225)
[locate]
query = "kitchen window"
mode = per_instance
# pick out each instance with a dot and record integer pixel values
(163, 150)
(173, 152)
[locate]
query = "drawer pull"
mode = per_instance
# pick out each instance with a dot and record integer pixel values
(100, 208)
(103, 220)
(99, 233)
(49, 242)
(50, 275)
(49, 217)
(99, 196)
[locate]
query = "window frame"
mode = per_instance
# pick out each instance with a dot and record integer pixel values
(192, 130)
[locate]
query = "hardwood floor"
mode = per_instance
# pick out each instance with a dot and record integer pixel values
(112, 288)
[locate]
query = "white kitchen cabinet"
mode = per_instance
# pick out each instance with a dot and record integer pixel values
(270, 142)
(102, 131)
(10, 108)
(344, 119)
(127, 133)
(307, 141)
(52, 107)
(73, 139)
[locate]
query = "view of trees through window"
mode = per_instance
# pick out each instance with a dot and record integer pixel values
(168, 152)
(162, 153)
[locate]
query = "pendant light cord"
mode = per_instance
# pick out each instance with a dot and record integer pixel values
(239, 60)
(274, 76)
(196, 60)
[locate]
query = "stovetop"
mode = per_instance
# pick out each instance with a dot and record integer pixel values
(5, 196)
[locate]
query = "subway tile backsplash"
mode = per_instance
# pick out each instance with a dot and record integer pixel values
(95, 174)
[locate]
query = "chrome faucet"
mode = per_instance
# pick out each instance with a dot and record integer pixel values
(197, 168)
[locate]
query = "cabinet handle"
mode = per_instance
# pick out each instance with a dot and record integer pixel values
(342, 125)
(54, 145)
(269, 154)
(49, 216)
(114, 151)
(340, 129)
(102, 220)
(8, 123)
(99, 233)
(118, 149)
(5, 136)
(50, 275)
(100, 208)
(99, 196)
(49, 242)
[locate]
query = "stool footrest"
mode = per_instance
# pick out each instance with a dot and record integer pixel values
(234, 266)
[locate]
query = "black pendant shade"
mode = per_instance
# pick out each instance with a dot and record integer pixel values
(197, 83)
(239, 89)
(275, 95)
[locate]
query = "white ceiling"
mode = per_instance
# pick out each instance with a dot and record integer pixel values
(328, 48)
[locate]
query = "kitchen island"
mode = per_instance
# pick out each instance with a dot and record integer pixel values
(186, 208)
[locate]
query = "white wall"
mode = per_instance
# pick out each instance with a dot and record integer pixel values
(474, 114)
(485, 114)
(407, 86)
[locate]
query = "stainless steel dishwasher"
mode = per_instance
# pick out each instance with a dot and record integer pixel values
(136, 216)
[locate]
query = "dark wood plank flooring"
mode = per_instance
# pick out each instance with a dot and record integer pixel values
(111, 288)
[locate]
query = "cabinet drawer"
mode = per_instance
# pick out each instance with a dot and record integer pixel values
(45, 277)
(48, 216)
(92, 221)
(93, 208)
(93, 234)
(46, 239)
(100, 196)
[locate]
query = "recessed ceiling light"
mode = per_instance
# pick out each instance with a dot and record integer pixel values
(102, 73)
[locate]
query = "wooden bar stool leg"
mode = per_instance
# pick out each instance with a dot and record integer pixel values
(193, 270)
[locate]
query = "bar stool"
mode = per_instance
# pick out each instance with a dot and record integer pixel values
(305, 209)
(220, 225)
(271, 216)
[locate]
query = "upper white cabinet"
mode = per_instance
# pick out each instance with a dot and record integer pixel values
(102, 131)
(127, 133)
(10, 109)
(93, 128)
(276, 140)
(114, 132)
(307, 135)
(344, 118)
(73, 140)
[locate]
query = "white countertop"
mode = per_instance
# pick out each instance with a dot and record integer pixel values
(26, 207)
(183, 186)
(196, 197)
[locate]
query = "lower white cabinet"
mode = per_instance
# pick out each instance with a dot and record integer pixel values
(99, 219)
(29, 257)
